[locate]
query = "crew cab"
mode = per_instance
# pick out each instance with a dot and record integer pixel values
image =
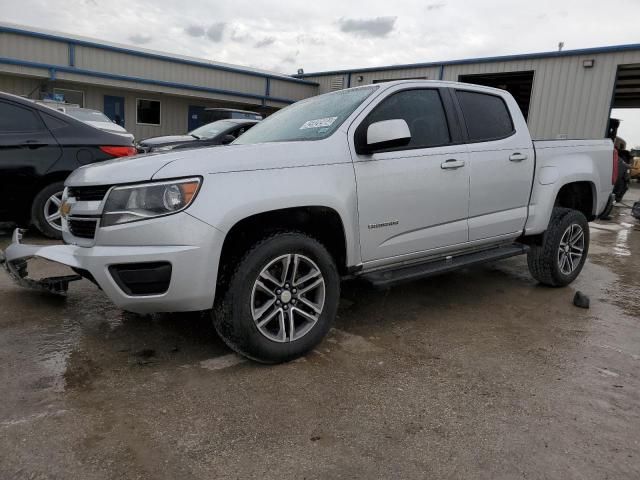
(387, 183)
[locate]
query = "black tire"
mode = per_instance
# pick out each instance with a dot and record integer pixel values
(232, 315)
(37, 210)
(543, 260)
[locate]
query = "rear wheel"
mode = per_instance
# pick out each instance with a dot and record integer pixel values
(281, 300)
(560, 258)
(45, 211)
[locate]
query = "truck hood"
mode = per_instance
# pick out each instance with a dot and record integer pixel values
(120, 170)
(212, 160)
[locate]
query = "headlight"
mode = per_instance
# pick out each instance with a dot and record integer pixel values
(139, 202)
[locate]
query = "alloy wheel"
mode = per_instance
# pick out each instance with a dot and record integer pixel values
(288, 297)
(52, 211)
(571, 249)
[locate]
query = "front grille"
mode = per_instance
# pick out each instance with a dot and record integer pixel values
(82, 228)
(88, 194)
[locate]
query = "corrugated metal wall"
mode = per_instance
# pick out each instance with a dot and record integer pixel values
(567, 99)
(32, 59)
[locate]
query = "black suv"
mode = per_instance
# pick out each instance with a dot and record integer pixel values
(39, 148)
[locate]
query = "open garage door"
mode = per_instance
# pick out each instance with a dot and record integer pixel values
(518, 84)
(627, 90)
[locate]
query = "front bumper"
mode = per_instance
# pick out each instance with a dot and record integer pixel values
(194, 266)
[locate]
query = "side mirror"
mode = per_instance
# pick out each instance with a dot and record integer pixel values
(227, 139)
(387, 134)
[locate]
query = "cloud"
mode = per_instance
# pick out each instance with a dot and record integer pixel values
(435, 6)
(373, 27)
(140, 38)
(194, 31)
(265, 42)
(215, 31)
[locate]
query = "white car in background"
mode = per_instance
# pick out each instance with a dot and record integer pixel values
(96, 119)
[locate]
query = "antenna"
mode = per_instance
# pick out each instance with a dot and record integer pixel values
(560, 46)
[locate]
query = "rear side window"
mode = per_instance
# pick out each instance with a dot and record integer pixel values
(487, 116)
(422, 110)
(14, 118)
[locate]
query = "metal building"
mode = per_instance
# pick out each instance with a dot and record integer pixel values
(149, 93)
(564, 94)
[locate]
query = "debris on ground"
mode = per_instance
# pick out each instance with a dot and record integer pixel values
(581, 300)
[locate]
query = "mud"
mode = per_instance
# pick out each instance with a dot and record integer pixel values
(475, 374)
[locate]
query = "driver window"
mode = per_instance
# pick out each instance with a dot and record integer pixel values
(424, 113)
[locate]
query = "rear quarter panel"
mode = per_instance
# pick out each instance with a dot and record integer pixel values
(560, 162)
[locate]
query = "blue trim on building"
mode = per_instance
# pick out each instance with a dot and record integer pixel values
(156, 56)
(72, 55)
(503, 58)
(441, 72)
(91, 73)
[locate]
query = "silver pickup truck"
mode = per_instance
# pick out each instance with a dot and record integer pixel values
(387, 182)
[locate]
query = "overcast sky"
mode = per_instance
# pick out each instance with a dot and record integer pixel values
(284, 35)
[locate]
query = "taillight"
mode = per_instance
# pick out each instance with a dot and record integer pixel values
(119, 151)
(614, 172)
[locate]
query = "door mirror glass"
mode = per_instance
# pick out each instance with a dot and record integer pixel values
(387, 134)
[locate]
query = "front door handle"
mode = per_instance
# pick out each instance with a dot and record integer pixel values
(517, 157)
(452, 164)
(34, 144)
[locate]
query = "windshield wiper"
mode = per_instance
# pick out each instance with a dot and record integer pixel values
(195, 136)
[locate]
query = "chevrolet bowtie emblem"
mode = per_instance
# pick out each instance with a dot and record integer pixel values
(65, 208)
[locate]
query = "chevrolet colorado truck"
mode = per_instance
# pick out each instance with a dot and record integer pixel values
(388, 183)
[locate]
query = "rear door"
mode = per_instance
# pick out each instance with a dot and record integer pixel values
(413, 199)
(501, 164)
(27, 152)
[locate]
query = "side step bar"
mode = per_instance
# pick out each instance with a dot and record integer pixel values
(387, 278)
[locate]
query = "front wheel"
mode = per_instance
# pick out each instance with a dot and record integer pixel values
(281, 299)
(560, 258)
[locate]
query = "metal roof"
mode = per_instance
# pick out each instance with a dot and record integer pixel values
(143, 52)
(502, 58)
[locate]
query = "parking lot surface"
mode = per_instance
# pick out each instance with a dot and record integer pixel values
(474, 374)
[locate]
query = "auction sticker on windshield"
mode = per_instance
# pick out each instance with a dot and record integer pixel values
(320, 122)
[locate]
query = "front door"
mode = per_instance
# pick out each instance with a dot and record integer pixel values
(196, 117)
(114, 109)
(27, 152)
(413, 199)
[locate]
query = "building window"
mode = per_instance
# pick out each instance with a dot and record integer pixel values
(147, 112)
(75, 97)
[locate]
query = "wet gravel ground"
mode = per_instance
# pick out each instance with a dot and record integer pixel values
(475, 374)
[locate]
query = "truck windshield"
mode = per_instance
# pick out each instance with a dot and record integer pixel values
(311, 119)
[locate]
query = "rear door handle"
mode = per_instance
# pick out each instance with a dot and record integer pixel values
(518, 157)
(452, 164)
